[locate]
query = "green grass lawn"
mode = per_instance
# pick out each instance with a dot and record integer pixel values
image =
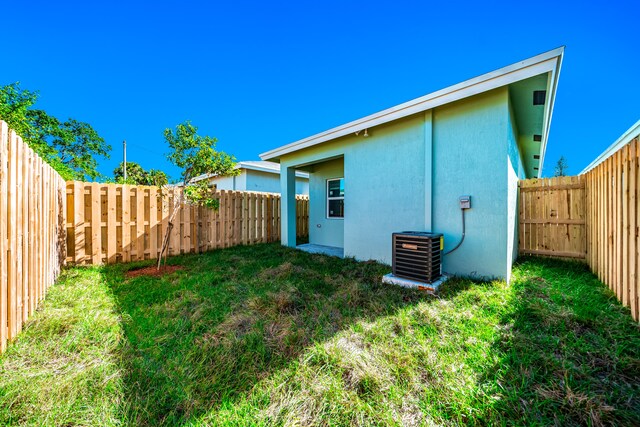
(265, 335)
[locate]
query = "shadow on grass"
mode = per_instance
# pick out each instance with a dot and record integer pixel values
(570, 351)
(202, 337)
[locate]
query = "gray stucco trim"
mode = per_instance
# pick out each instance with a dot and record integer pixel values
(428, 170)
(288, 206)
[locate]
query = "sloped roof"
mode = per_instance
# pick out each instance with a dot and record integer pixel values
(548, 62)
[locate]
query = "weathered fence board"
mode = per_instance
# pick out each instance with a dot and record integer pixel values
(111, 223)
(31, 236)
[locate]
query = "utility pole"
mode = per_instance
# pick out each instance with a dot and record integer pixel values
(124, 163)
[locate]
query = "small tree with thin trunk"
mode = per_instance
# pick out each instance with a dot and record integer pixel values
(195, 155)
(561, 167)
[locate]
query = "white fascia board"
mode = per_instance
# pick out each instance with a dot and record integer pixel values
(534, 66)
(626, 137)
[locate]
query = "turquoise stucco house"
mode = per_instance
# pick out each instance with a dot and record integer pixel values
(404, 169)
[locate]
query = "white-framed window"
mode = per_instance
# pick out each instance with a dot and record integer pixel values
(335, 198)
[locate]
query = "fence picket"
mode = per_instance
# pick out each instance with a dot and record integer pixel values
(112, 242)
(12, 236)
(139, 222)
(96, 222)
(186, 229)
(153, 223)
(126, 224)
(623, 241)
(174, 240)
(33, 202)
(610, 226)
(238, 217)
(634, 283)
(26, 260)
(18, 222)
(601, 220)
(164, 212)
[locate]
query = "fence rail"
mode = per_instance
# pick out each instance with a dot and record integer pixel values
(31, 231)
(594, 217)
(109, 223)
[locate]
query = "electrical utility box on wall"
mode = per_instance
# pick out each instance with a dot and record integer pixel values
(465, 202)
(417, 255)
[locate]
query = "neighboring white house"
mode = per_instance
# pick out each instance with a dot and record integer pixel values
(258, 176)
(405, 169)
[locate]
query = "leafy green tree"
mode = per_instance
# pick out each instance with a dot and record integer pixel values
(136, 175)
(195, 155)
(561, 167)
(70, 147)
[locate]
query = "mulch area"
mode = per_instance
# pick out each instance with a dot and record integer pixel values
(153, 271)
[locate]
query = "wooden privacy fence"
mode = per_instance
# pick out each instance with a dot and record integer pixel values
(612, 223)
(553, 217)
(108, 223)
(593, 216)
(32, 241)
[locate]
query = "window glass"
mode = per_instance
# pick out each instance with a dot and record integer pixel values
(336, 188)
(335, 198)
(336, 208)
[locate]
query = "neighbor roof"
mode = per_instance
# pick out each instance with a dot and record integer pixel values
(256, 165)
(626, 137)
(263, 166)
(548, 62)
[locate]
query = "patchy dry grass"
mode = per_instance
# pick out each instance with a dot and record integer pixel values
(265, 335)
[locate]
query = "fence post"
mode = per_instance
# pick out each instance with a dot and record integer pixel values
(96, 224)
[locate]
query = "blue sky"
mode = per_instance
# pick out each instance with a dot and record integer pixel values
(258, 75)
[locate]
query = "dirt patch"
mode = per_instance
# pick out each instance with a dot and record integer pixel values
(152, 271)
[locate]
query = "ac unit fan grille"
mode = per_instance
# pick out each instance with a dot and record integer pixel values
(417, 256)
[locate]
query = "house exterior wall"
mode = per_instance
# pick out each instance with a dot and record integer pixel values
(227, 182)
(469, 158)
(252, 180)
(270, 182)
(384, 187)
(384, 177)
(515, 172)
(302, 185)
(409, 175)
(323, 230)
